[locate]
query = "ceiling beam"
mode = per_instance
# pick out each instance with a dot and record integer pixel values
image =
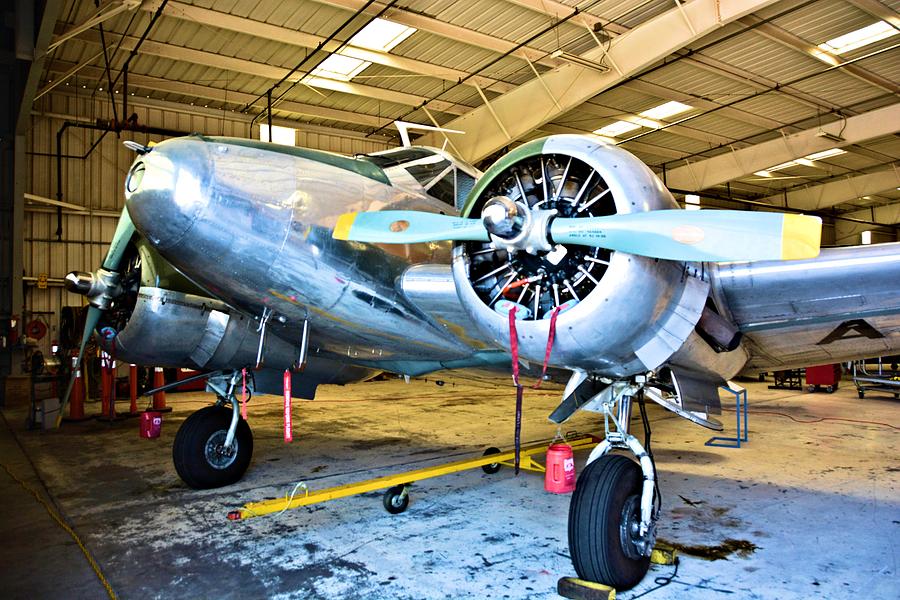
(239, 65)
(448, 30)
(221, 20)
(104, 13)
(508, 117)
(217, 114)
(34, 24)
(194, 90)
(878, 10)
(551, 128)
(794, 42)
(739, 163)
(847, 232)
(838, 191)
(605, 112)
(731, 112)
(558, 10)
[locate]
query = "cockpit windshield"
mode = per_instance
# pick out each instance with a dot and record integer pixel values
(439, 175)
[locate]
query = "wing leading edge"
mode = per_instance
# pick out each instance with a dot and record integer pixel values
(842, 305)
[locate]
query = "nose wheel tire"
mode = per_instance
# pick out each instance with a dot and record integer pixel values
(201, 458)
(493, 467)
(604, 518)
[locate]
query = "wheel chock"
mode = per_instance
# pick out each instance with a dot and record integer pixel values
(663, 554)
(579, 589)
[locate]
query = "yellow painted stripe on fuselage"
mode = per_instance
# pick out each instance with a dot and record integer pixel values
(801, 236)
(342, 228)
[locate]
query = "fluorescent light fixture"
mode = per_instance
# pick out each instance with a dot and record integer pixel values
(859, 38)
(825, 154)
(381, 35)
(666, 110)
(805, 162)
(287, 136)
(692, 202)
(343, 68)
(865, 238)
(762, 174)
(616, 129)
(578, 60)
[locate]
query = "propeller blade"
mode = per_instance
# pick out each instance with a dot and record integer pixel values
(93, 317)
(124, 231)
(701, 235)
(407, 227)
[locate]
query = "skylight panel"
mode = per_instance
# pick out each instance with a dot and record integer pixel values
(666, 110)
(825, 154)
(806, 161)
(340, 67)
(616, 129)
(381, 35)
(859, 38)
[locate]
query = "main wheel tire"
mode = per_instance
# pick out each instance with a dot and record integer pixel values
(198, 453)
(607, 489)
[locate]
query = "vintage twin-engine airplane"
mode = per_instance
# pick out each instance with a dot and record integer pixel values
(234, 253)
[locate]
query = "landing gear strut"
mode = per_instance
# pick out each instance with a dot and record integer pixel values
(613, 513)
(214, 445)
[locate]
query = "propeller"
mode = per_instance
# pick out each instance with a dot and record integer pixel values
(701, 235)
(100, 288)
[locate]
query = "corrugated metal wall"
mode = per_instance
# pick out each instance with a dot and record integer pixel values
(96, 182)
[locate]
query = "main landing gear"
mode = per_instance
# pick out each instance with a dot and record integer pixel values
(613, 512)
(213, 446)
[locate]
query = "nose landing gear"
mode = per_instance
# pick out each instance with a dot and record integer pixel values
(613, 512)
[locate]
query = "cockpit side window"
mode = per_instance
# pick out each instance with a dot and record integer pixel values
(400, 156)
(443, 188)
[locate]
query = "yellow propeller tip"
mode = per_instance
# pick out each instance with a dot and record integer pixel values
(801, 236)
(342, 228)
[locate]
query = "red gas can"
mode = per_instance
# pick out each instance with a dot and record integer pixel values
(560, 475)
(151, 424)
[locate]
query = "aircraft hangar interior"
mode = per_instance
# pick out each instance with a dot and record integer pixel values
(432, 299)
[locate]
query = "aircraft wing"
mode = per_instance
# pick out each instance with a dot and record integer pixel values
(840, 306)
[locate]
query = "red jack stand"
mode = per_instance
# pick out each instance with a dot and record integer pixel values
(107, 388)
(76, 399)
(132, 391)
(159, 398)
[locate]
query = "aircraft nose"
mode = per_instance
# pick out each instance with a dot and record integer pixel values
(166, 190)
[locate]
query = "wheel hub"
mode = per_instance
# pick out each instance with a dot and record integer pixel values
(218, 455)
(634, 545)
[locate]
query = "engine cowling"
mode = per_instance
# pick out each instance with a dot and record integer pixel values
(618, 314)
(159, 318)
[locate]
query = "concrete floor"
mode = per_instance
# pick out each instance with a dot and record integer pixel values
(818, 500)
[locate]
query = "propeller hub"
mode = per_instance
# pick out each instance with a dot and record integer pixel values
(504, 218)
(513, 226)
(100, 288)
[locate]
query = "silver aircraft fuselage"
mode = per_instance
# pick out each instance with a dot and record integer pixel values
(251, 223)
